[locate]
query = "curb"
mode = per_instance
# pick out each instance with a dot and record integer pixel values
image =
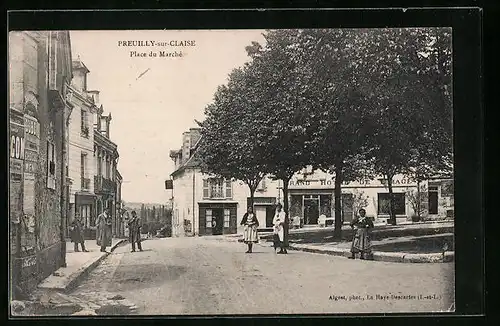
(393, 257)
(81, 274)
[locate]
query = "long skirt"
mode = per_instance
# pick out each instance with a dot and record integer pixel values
(250, 234)
(104, 236)
(361, 242)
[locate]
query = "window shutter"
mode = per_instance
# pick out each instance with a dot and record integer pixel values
(205, 188)
(229, 189)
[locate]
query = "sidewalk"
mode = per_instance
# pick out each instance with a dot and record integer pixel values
(78, 265)
(394, 236)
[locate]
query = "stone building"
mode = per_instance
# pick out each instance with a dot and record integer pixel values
(40, 73)
(81, 147)
(204, 205)
(106, 160)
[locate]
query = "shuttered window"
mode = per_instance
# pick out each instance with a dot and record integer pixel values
(208, 215)
(229, 190)
(206, 193)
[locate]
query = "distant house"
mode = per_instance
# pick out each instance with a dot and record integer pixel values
(205, 205)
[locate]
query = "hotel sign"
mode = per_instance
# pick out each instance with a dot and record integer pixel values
(400, 181)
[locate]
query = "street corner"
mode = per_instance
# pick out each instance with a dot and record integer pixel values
(392, 257)
(423, 258)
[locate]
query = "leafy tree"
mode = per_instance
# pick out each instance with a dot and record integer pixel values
(230, 131)
(334, 100)
(283, 118)
(406, 89)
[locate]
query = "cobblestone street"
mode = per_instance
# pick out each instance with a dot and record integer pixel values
(201, 276)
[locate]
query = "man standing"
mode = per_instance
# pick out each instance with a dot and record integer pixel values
(104, 232)
(77, 233)
(134, 229)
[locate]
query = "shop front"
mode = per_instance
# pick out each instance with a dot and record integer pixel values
(264, 208)
(217, 218)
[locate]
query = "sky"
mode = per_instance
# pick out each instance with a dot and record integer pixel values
(150, 113)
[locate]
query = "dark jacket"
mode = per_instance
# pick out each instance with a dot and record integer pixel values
(245, 217)
(76, 231)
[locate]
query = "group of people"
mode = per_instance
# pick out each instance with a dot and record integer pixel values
(361, 242)
(104, 232)
(251, 224)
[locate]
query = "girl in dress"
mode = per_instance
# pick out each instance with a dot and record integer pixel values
(250, 232)
(361, 242)
(278, 229)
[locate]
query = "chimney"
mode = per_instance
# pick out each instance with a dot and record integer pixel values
(186, 146)
(195, 135)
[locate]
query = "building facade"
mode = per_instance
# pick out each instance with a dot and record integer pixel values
(81, 148)
(40, 73)
(199, 200)
(311, 194)
(204, 205)
(106, 160)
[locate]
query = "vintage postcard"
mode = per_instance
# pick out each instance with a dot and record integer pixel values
(231, 172)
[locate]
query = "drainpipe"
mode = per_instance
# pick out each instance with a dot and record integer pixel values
(63, 187)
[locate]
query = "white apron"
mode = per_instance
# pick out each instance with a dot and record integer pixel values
(278, 221)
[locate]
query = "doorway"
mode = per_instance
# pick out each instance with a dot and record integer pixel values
(217, 221)
(433, 200)
(311, 210)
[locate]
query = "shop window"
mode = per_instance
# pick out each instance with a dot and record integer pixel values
(433, 200)
(296, 206)
(227, 217)
(325, 205)
(217, 188)
(51, 165)
(399, 203)
(208, 214)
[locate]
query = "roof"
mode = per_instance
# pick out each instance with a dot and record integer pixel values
(194, 160)
(78, 65)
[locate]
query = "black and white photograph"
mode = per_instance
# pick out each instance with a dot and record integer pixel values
(231, 171)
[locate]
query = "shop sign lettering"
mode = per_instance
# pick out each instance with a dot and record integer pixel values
(29, 261)
(17, 147)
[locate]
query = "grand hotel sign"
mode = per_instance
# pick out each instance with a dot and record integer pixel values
(398, 181)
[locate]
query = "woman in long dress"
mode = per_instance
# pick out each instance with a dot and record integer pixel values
(104, 232)
(361, 242)
(250, 232)
(279, 229)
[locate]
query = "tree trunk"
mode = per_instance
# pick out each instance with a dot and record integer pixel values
(252, 195)
(392, 215)
(285, 207)
(418, 198)
(337, 231)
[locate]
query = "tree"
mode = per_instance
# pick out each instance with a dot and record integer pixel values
(229, 131)
(416, 198)
(408, 94)
(338, 132)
